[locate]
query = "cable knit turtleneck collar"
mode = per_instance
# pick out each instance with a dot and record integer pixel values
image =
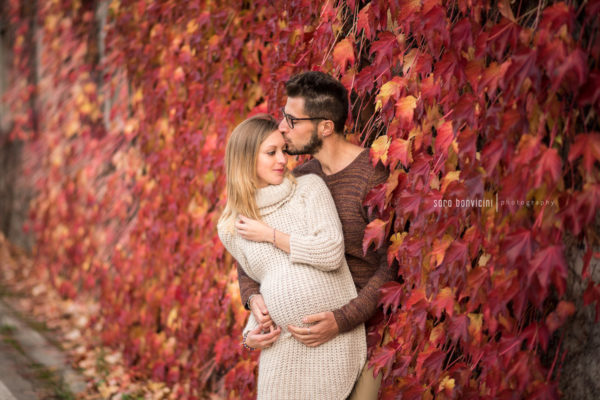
(270, 198)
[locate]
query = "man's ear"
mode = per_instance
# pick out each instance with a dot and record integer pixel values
(326, 128)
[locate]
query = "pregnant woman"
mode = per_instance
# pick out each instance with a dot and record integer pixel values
(285, 233)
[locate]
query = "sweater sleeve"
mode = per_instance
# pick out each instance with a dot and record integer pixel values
(363, 307)
(323, 246)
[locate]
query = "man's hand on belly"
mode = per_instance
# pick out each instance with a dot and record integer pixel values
(324, 329)
(260, 312)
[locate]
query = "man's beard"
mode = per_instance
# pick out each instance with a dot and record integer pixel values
(311, 147)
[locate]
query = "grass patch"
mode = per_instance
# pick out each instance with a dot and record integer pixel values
(52, 381)
(131, 397)
(7, 330)
(7, 333)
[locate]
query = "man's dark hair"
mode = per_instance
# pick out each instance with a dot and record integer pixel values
(324, 96)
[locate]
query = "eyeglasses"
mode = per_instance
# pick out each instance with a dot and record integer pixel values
(290, 119)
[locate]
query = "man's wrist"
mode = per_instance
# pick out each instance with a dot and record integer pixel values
(249, 301)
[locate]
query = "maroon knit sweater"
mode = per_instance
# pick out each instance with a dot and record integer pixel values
(348, 187)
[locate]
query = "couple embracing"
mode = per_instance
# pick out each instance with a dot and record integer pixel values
(297, 238)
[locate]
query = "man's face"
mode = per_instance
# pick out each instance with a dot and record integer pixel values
(304, 137)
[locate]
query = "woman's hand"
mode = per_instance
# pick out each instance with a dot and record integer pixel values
(258, 340)
(251, 229)
(260, 311)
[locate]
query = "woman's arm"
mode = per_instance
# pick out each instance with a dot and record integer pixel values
(323, 245)
(258, 231)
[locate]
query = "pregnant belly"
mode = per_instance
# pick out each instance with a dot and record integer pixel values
(301, 290)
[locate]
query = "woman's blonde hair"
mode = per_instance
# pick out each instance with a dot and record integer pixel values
(241, 155)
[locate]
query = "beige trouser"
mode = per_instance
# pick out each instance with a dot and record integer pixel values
(367, 386)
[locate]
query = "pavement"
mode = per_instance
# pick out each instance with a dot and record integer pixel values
(31, 367)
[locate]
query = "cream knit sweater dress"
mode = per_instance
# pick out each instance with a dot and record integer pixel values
(313, 278)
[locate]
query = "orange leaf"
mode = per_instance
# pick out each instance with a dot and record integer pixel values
(444, 138)
(399, 151)
(343, 53)
(505, 10)
(439, 249)
(558, 317)
(405, 109)
(444, 301)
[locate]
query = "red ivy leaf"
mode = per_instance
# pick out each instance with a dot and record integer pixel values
(549, 164)
(365, 22)
(433, 363)
(416, 296)
(556, 16)
(376, 198)
(592, 295)
(545, 261)
(517, 244)
(384, 46)
(374, 233)
(590, 93)
(574, 68)
(409, 203)
(457, 327)
(383, 358)
(391, 294)
(588, 146)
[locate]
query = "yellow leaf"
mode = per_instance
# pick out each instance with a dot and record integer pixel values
(213, 41)
(434, 183)
(409, 60)
(449, 177)
(72, 128)
(179, 74)
(437, 334)
(439, 249)
(379, 149)
(389, 89)
(172, 317)
(192, 26)
(475, 323)
(397, 239)
(447, 383)
(86, 108)
(89, 88)
(483, 259)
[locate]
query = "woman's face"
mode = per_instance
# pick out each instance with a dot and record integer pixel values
(271, 161)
